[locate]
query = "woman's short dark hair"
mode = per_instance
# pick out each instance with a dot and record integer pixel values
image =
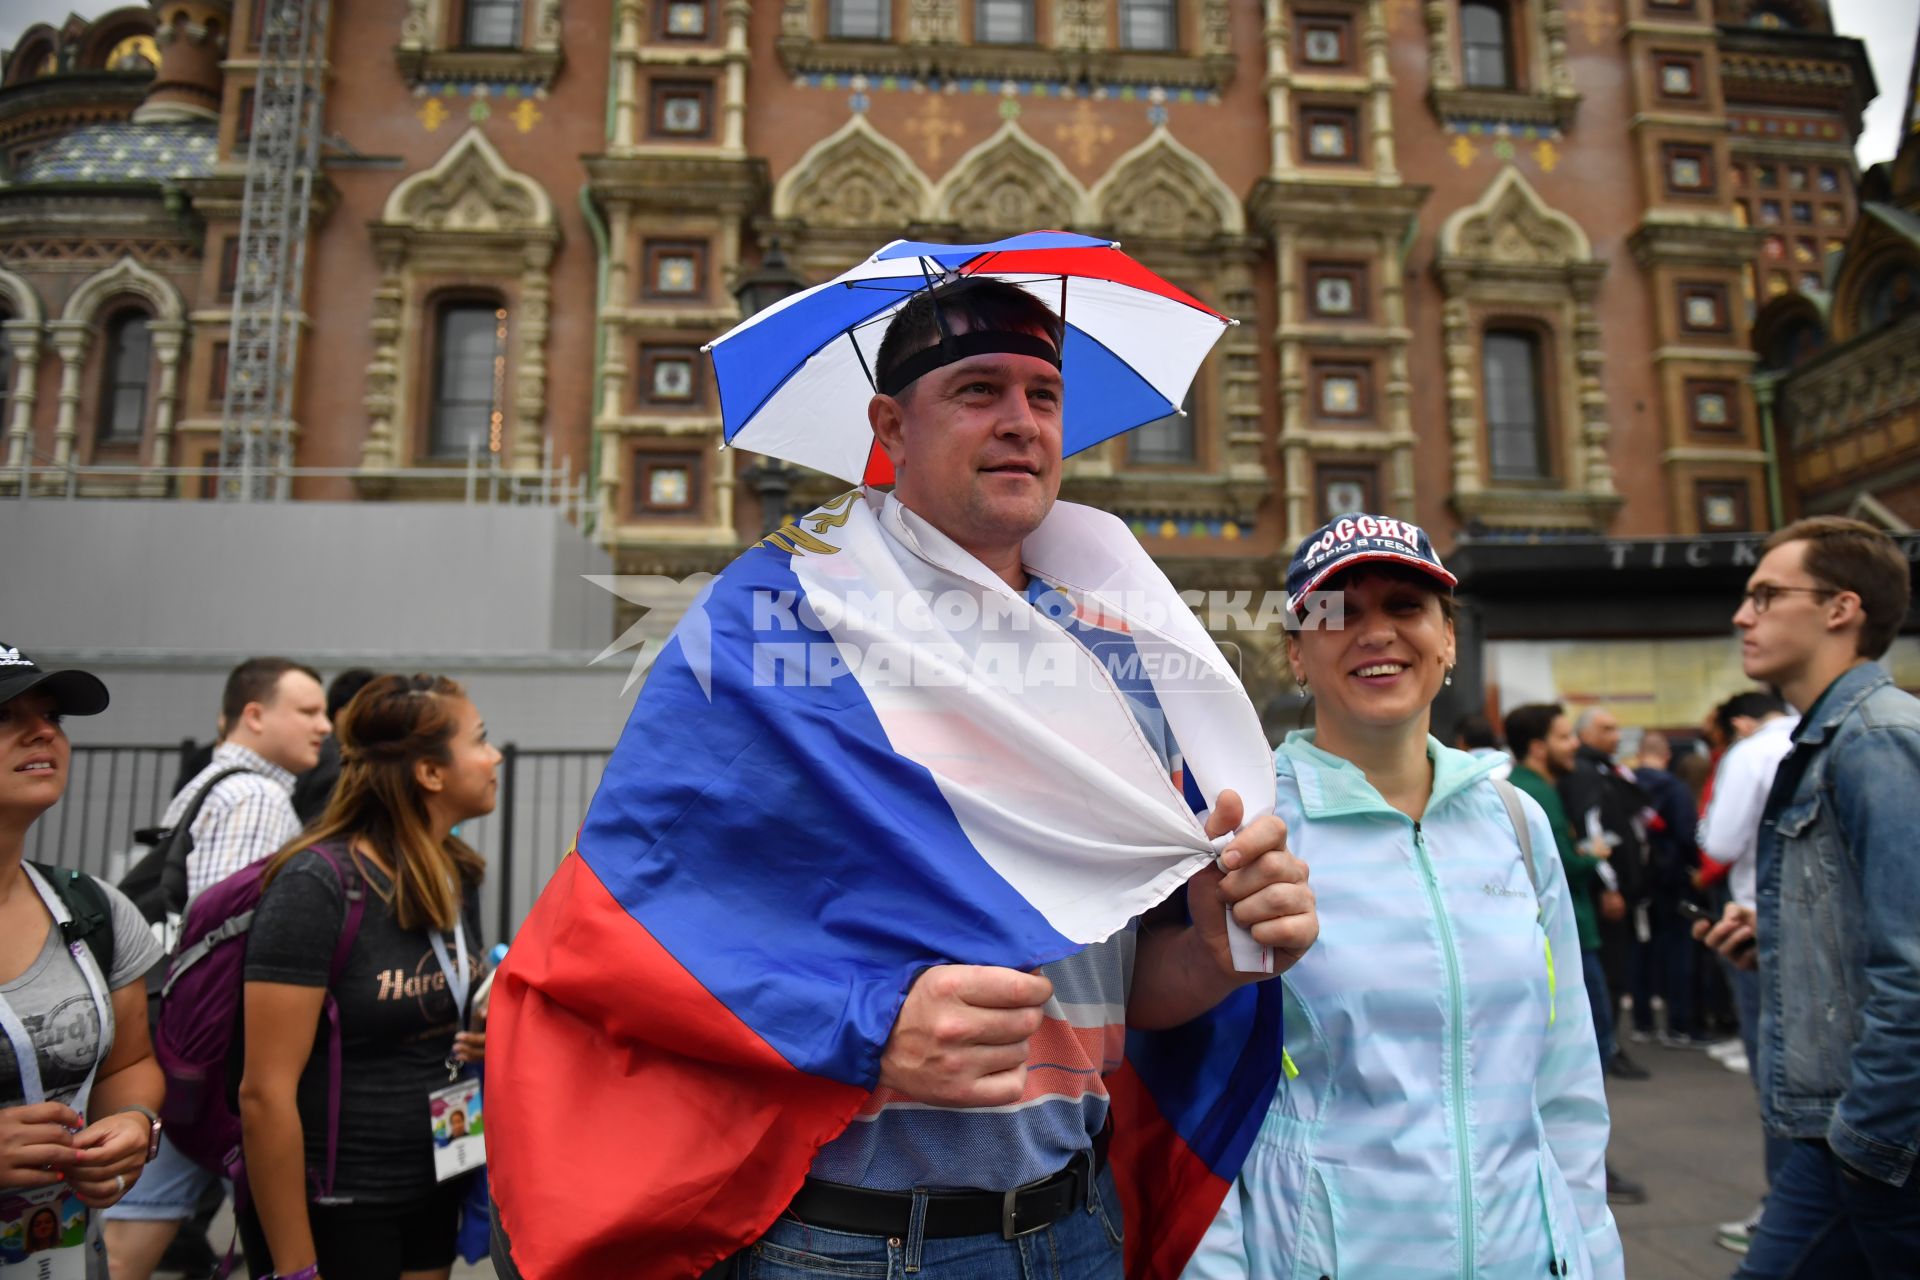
(1449, 607)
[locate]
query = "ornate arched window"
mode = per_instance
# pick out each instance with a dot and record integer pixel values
(1486, 45)
(492, 24)
(436, 378)
(1167, 441)
(859, 19)
(1003, 22)
(1148, 24)
(1516, 410)
(1526, 406)
(6, 375)
(1893, 293)
(125, 377)
(135, 53)
(469, 378)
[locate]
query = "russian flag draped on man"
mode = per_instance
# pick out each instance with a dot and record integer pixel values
(823, 790)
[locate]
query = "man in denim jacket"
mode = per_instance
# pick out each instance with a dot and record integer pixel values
(1838, 914)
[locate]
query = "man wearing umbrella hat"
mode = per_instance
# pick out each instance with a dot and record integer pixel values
(887, 929)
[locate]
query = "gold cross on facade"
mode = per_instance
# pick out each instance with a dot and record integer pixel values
(933, 128)
(1597, 17)
(1085, 134)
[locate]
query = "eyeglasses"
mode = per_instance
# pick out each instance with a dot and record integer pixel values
(1763, 596)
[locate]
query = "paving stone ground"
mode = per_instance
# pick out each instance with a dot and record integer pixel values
(1691, 1134)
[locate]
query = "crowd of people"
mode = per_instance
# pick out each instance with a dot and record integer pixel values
(361, 902)
(1414, 1084)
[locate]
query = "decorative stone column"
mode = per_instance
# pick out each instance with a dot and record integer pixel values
(71, 339)
(23, 336)
(1457, 332)
(1279, 104)
(383, 371)
(1441, 75)
(168, 338)
(733, 134)
(1589, 357)
(626, 86)
(1380, 78)
(530, 385)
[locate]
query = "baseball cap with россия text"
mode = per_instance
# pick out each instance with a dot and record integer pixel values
(1361, 539)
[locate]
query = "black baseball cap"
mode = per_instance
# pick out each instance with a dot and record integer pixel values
(78, 693)
(1361, 539)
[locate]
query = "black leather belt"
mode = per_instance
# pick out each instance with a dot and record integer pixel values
(951, 1214)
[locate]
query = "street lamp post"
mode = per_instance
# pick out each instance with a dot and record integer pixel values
(772, 479)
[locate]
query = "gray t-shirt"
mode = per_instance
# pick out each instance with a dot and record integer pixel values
(54, 1004)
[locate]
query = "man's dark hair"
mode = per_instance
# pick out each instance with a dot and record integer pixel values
(1851, 555)
(1530, 724)
(256, 680)
(987, 306)
(1756, 704)
(1474, 732)
(345, 685)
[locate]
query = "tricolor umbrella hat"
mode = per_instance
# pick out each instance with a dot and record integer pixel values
(794, 380)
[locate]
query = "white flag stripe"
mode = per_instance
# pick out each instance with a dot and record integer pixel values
(1051, 779)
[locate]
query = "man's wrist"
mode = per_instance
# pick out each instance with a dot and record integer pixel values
(1212, 967)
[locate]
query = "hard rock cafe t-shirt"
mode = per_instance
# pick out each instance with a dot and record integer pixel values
(397, 1021)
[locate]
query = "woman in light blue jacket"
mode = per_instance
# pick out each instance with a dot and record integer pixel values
(1441, 1113)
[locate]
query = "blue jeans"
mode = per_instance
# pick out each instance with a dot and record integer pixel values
(167, 1191)
(1821, 1223)
(1746, 999)
(1595, 974)
(1084, 1245)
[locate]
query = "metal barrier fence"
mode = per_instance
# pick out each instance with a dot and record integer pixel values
(114, 791)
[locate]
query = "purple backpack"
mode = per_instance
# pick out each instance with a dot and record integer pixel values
(197, 1036)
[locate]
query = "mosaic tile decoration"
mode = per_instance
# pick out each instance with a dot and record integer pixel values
(479, 89)
(1162, 527)
(982, 86)
(1504, 129)
(126, 152)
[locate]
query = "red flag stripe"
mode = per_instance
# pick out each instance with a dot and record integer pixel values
(1090, 263)
(635, 1126)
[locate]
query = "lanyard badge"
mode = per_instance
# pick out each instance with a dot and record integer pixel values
(459, 1138)
(43, 1232)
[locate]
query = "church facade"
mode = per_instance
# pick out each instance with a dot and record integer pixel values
(1523, 271)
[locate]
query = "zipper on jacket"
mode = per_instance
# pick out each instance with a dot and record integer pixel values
(1457, 1050)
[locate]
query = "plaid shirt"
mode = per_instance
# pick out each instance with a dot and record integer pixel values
(246, 818)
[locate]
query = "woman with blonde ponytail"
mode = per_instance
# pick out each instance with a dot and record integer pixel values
(415, 763)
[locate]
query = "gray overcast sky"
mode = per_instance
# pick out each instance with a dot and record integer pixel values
(1888, 27)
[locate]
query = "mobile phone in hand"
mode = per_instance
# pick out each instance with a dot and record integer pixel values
(1691, 911)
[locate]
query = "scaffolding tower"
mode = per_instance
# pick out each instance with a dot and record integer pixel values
(283, 156)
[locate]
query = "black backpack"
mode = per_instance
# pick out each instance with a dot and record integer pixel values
(157, 881)
(86, 902)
